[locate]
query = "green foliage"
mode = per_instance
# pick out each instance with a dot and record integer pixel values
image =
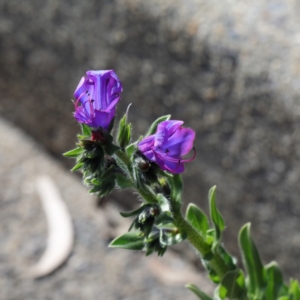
(294, 290)
(123, 182)
(232, 286)
(86, 130)
(73, 153)
(102, 183)
(176, 188)
(129, 241)
(257, 280)
(201, 295)
(154, 125)
(130, 149)
(275, 285)
(124, 132)
(197, 218)
(215, 215)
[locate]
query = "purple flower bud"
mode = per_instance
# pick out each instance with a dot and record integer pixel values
(167, 146)
(97, 95)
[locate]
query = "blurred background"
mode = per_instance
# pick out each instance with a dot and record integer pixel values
(229, 69)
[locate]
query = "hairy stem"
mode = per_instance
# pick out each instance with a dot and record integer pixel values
(198, 242)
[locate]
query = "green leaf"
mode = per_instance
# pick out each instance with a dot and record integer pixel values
(129, 241)
(124, 132)
(201, 295)
(214, 277)
(124, 182)
(86, 130)
(176, 187)
(232, 285)
(130, 149)
(154, 125)
(74, 152)
(252, 262)
(77, 167)
(274, 281)
(294, 290)
(197, 218)
(215, 215)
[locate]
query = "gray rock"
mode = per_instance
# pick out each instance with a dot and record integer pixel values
(230, 70)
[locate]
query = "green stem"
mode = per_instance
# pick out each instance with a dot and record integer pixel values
(199, 243)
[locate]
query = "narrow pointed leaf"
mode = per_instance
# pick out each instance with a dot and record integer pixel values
(74, 152)
(215, 215)
(154, 125)
(201, 295)
(252, 262)
(77, 167)
(129, 241)
(197, 218)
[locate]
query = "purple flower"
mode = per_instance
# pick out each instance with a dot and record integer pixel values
(167, 146)
(97, 95)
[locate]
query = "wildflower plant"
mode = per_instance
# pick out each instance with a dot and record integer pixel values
(152, 166)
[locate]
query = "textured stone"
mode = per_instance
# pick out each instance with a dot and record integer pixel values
(230, 70)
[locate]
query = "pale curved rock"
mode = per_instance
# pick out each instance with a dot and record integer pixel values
(60, 229)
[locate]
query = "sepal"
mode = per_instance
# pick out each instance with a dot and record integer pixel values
(131, 149)
(86, 130)
(73, 153)
(154, 125)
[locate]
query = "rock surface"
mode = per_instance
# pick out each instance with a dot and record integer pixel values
(230, 70)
